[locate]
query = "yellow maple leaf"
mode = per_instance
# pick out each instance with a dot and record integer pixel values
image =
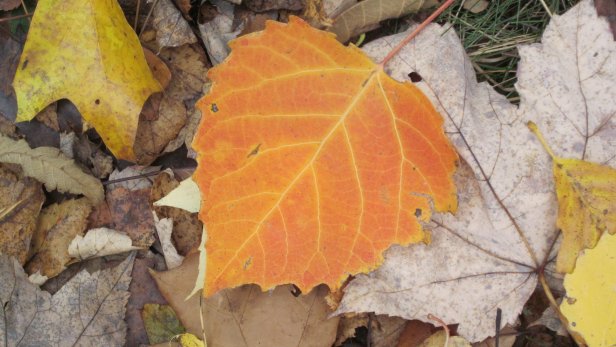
(586, 203)
(86, 52)
(591, 295)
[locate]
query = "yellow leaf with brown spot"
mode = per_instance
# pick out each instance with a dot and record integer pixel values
(586, 204)
(86, 52)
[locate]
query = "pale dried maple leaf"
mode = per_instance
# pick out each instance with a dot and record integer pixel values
(87, 311)
(486, 256)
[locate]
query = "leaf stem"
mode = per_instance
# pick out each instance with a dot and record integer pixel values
(554, 304)
(443, 324)
(535, 129)
(417, 30)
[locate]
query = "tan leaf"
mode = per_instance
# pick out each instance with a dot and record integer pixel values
(21, 199)
(49, 166)
(367, 13)
(188, 68)
(184, 196)
(99, 242)
(217, 33)
(58, 224)
(187, 228)
(384, 330)
(277, 318)
(172, 30)
(164, 228)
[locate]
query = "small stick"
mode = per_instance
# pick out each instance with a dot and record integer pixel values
(421, 26)
(123, 179)
(147, 18)
(137, 14)
(15, 17)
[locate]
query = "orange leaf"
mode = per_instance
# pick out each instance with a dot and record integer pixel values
(312, 162)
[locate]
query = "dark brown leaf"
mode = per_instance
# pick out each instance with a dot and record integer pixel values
(142, 290)
(130, 211)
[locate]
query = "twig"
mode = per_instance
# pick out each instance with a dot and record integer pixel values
(123, 179)
(147, 18)
(137, 15)
(421, 26)
(15, 17)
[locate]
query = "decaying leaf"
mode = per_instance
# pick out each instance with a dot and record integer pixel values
(143, 290)
(186, 135)
(161, 323)
(586, 203)
(172, 30)
(384, 331)
(217, 33)
(87, 311)
(49, 166)
(188, 67)
(75, 42)
(21, 199)
(333, 8)
(246, 316)
(268, 5)
(325, 175)
(187, 228)
(57, 225)
(507, 217)
(414, 333)
(367, 13)
(130, 212)
(159, 69)
(99, 242)
(164, 228)
(550, 319)
(591, 299)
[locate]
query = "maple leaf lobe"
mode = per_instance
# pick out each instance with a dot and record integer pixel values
(312, 161)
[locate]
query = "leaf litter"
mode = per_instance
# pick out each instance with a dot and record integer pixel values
(36, 318)
(180, 115)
